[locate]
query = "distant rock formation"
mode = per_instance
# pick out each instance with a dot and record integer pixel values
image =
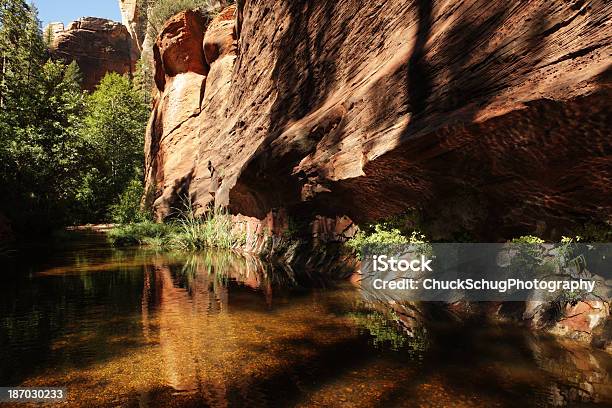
(98, 46)
(491, 118)
(53, 29)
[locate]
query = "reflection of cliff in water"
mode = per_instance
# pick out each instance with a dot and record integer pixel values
(140, 328)
(192, 308)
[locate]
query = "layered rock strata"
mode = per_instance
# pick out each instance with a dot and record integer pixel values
(490, 118)
(98, 45)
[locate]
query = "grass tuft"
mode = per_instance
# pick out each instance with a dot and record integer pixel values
(189, 232)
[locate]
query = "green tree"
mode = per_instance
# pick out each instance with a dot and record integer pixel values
(22, 53)
(65, 157)
(40, 105)
(43, 160)
(113, 128)
(127, 209)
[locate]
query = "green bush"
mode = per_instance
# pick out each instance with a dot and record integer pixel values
(381, 236)
(113, 131)
(600, 232)
(127, 209)
(532, 254)
(565, 256)
(529, 254)
(527, 239)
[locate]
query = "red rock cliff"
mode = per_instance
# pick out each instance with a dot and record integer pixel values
(98, 45)
(490, 117)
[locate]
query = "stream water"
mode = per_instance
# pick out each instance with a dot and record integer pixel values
(138, 328)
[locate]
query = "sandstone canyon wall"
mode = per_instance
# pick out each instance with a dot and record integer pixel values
(489, 117)
(97, 45)
(135, 16)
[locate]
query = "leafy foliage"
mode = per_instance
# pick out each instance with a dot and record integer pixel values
(138, 233)
(113, 129)
(216, 229)
(527, 239)
(381, 236)
(128, 209)
(529, 255)
(601, 232)
(40, 105)
(65, 156)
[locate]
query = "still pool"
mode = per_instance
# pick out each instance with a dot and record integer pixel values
(140, 328)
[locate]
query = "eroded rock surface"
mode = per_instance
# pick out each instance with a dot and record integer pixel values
(98, 46)
(180, 76)
(587, 321)
(492, 118)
